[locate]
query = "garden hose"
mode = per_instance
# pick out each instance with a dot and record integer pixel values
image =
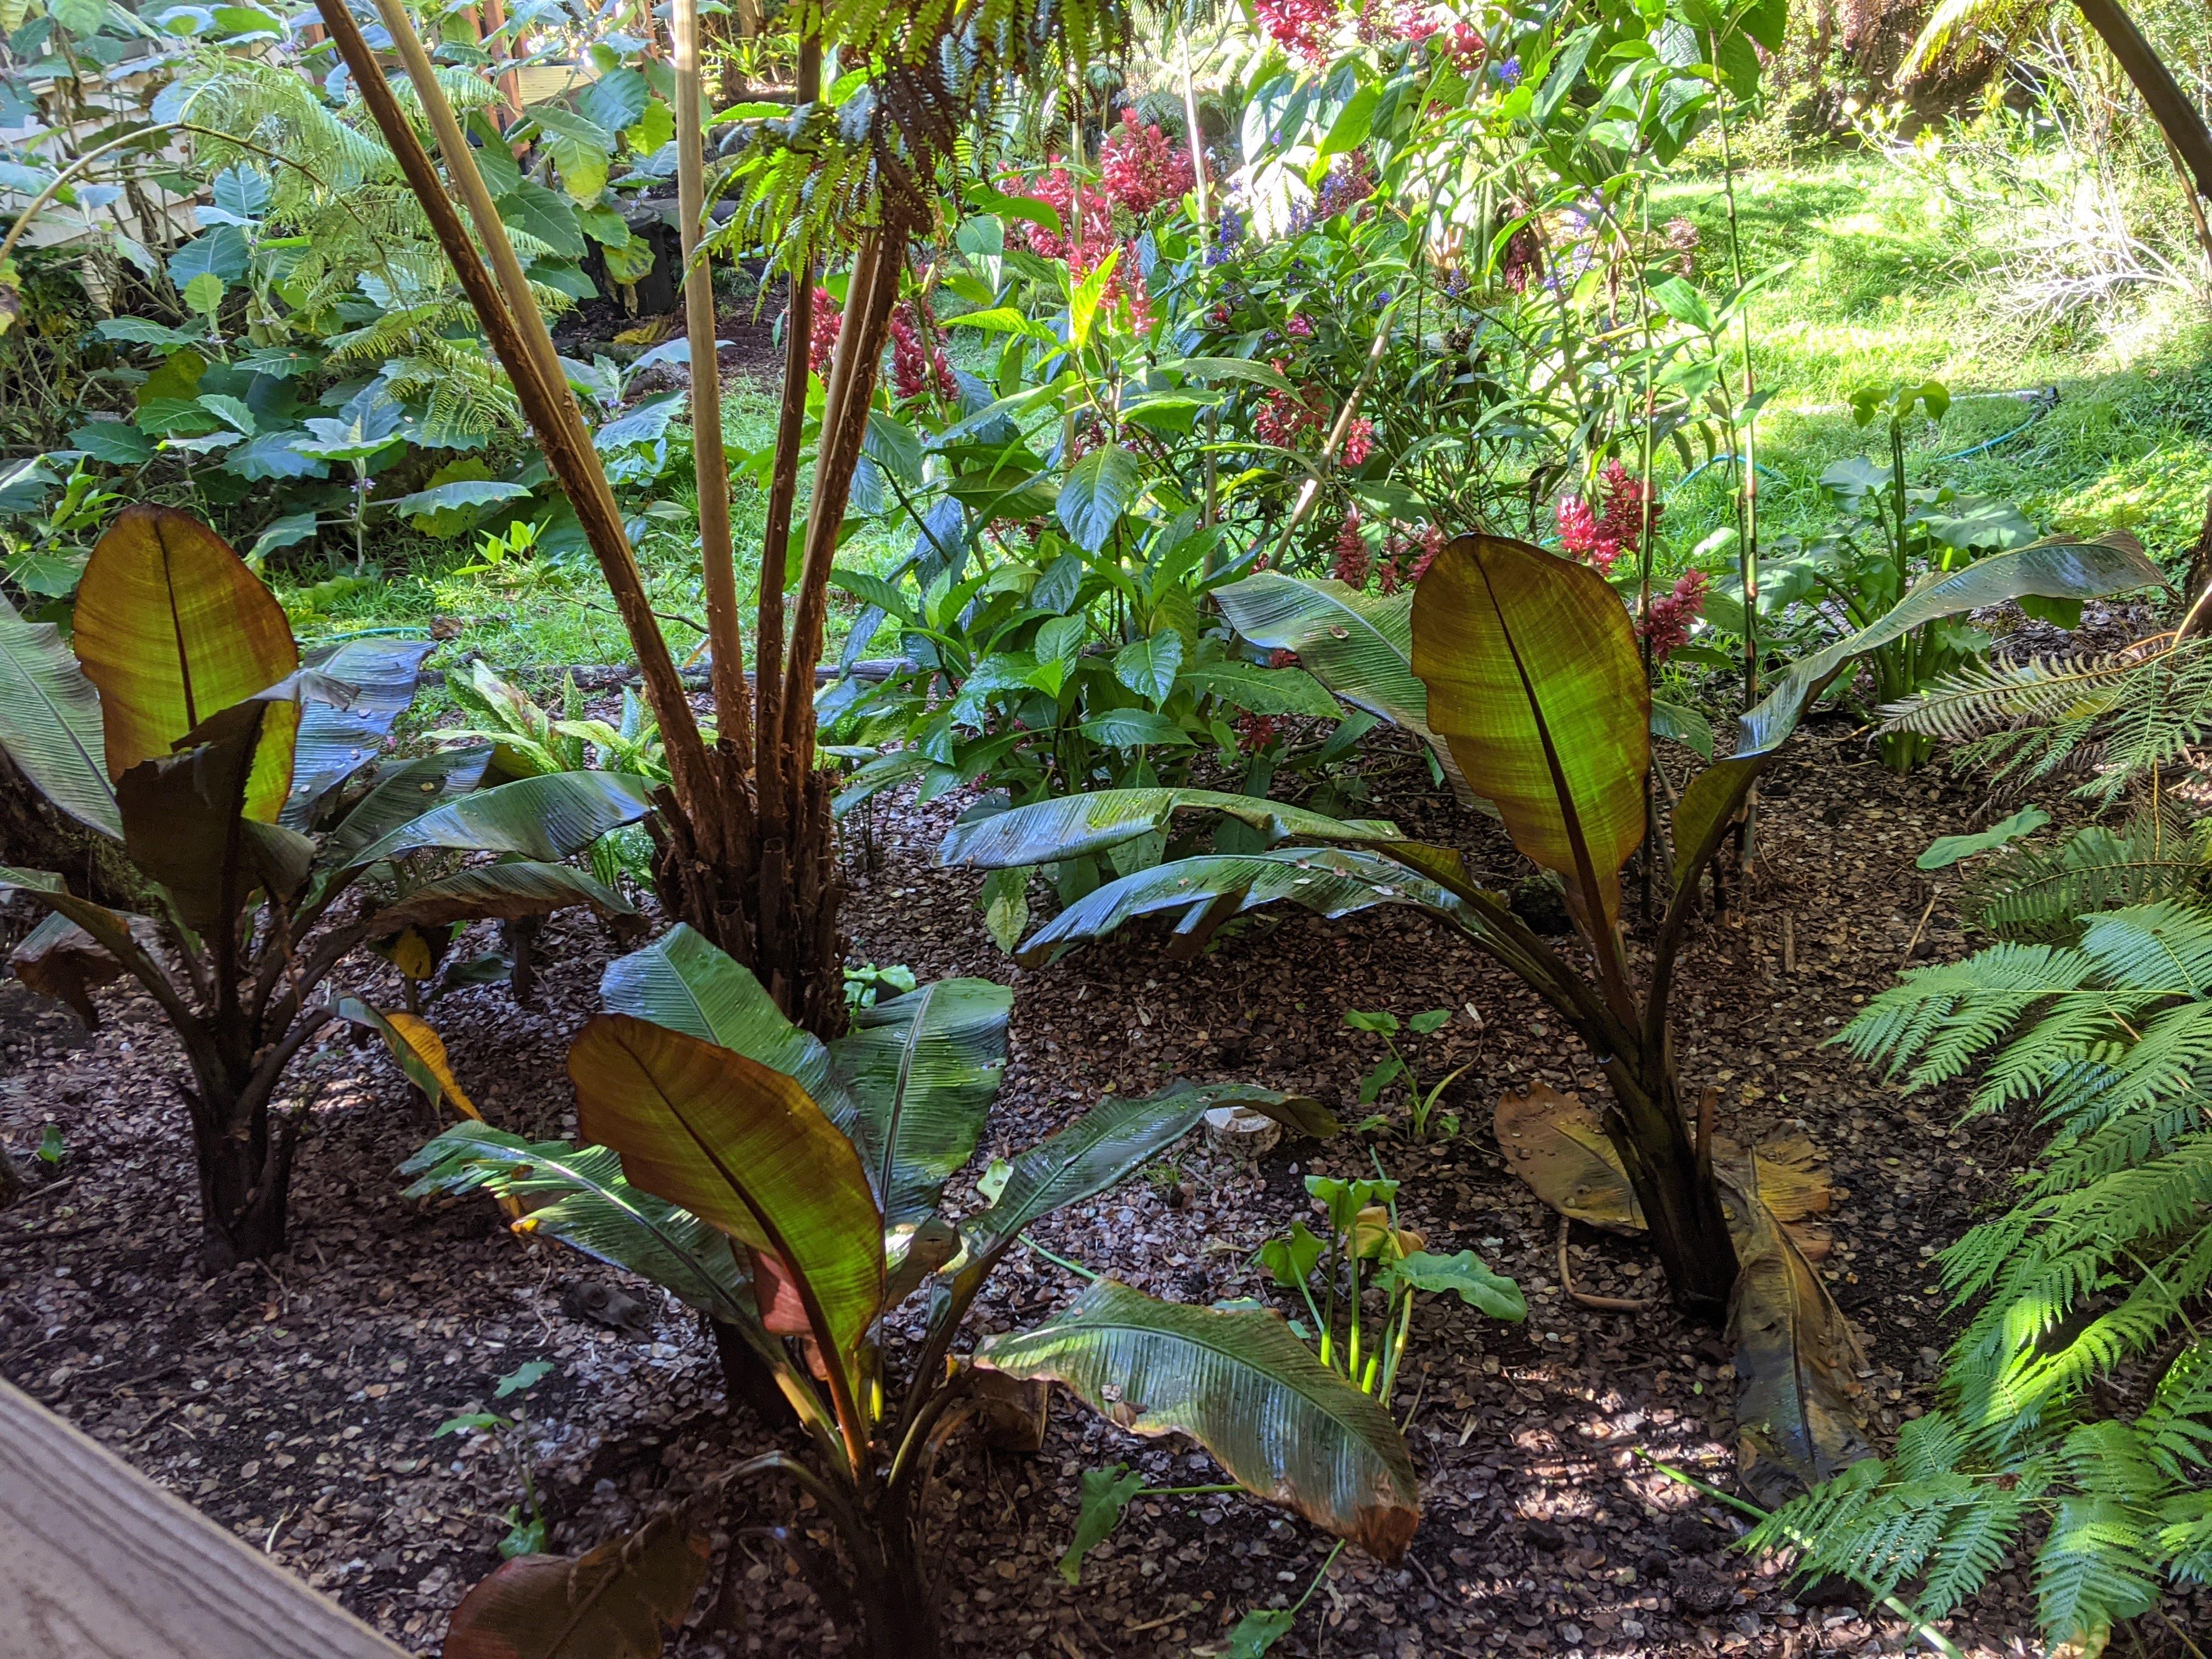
(2043, 400)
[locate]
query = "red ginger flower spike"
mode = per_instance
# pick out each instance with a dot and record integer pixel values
(1667, 626)
(1353, 561)
(821, 340)
(1585, 536)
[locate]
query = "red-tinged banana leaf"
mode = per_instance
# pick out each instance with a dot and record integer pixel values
(1286, 1427)
(742, 1146)
(184, 823)
(2061, 567)
(50, 722)
(1069, 826)
(173, 628)
(115, 932)
(60, 960)
(683, 980)
(1535, 683)
(619, 1601)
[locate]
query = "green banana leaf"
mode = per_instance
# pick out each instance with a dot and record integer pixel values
(336, 740)
(1283, 1424)
(921, 1071)
(50, 722)
(2062, 568)
(504, 891)
(401, 795)
(1535, 683)
(1112, 1141)
(1360, 646)
(577, 1195)
(545, 818)
(1069, 826)
(683, 981)
(1331, 881)
(744, 1148)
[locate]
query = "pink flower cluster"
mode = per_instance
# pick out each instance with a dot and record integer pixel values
(1600, 536)
(1668, 625)
(915, 372)
(1056, 187)
(822, 341)
(1299, 26)
(1287, 417)
(1353, 561)
(1359, 443)
(1466, 48)
(1140, 169)
(1407, 554)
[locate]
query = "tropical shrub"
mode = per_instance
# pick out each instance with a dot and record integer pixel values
(179, 722)
(792, 1190)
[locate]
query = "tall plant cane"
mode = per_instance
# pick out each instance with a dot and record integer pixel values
(745, 837)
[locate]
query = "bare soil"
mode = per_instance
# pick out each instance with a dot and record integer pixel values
(295, 1402)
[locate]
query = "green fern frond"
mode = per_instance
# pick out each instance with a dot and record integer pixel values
(2036, 892)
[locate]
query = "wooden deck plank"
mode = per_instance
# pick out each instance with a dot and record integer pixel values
(97, 1562)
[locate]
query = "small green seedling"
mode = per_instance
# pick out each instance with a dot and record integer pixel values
(864, 984)
(1395, 1067)
(50, 1149)
(525, 1534)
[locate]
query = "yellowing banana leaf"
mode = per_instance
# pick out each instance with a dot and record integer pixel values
(920, 1071)
(1283, 1424)
(2061, 567)
(618, 1601)
(1068, 826)
(50, 722)
(1555, 1144)
(416, 1049)
(742, 1146)
(1535, 683)
(1358, 645)
(173, 629)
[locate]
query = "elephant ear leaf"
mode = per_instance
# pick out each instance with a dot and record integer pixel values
(173, 629)
(1237, 1382)
(1535, 683)
(743, 1147)
(50, 723)
(2061, 567)
(616, 1602)
(920, 1071)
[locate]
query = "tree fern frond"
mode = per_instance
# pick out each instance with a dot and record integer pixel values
(2038, 892)
(1993, 696)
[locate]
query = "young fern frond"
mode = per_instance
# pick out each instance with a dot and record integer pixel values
(2102, 1265)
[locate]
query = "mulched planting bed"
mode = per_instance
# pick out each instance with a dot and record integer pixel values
(295, 1400)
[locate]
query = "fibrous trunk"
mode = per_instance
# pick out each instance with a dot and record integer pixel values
(245, 1167)
(1675, 1185)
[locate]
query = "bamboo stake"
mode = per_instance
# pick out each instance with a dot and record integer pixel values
(518, 334)
(718, 564)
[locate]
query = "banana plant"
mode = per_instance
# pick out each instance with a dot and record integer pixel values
(794, 1191)
(1534, 682)
(179, 723)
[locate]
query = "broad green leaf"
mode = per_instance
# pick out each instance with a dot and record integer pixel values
(545, 818)
(50, 722)
(2060, 568)
(1465, 1276)
(1071, 825)
(1006, 900)
(1350, 128)
(1360, 646)
(1111, 1142)
(682, 981)
(1682, 725)
(1285, 1426)
(119, 443)
(173, 628)
(1083, 304)
(545, 216)
(1259, 690)
(505, 891)
(1148, 667)
(1135, 728)
(463, 493)
(1258, 1631)
(379, 677)
(920, 1071)
(1535, 685)
(1099, 489)
(1106, 1493)
(403, 793)
(1947, 850)
(740, 1145)
(577, 1195)
(1330, 881)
